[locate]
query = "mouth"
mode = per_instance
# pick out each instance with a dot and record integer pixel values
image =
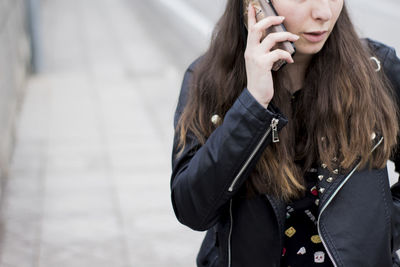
(315, 36)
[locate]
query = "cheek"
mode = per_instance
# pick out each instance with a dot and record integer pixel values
(292, 19)
(337, 9)
(292, 25)
(285, 8)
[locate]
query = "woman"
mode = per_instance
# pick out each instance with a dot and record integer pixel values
(288, 168)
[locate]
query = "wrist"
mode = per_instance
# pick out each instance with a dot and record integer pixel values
(263, 101)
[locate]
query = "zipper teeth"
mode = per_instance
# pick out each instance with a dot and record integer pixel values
(249, 159)
(230, 235)
(330, 200)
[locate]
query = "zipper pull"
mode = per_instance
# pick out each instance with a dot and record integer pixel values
(275, 137)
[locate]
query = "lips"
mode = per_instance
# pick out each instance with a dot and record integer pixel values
(316, 36)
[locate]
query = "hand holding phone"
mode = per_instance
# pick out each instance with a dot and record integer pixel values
(264, 8)
(261, 57)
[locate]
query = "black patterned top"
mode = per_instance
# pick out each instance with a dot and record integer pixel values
(302, 244)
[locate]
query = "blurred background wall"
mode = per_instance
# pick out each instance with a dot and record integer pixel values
(14, 68)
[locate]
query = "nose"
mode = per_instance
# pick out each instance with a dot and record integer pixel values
(321, 10)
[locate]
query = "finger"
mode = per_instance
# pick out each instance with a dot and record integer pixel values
(251, 15)
(277, 55)
(267, 22)
(273, 38)
(256, 30)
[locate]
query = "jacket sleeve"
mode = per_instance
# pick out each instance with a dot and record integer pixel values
(391, 66)
(205, 177)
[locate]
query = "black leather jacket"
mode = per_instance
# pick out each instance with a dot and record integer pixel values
(359, 214)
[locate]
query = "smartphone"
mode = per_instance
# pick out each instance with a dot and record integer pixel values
(264, 8)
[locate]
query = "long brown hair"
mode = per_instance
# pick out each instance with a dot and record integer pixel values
(343, 103)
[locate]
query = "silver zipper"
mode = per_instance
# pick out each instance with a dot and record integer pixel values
(330, 200)
(274, 128)
(230, 235)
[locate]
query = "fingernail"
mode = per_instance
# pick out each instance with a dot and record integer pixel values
(296, 37)
(281, 17)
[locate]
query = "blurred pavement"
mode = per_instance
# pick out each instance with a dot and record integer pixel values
(89, 185)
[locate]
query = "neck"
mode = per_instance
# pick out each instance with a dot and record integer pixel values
(296, 71)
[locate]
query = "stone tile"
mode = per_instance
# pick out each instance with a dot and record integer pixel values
(82, 254)
(127, 162)
(35, 115)
(27, 164)
(143, 179)
(17, 251)
(20, 187)
(68, 179)
(60, 202)
(21, 221)
(77, 162)
(165, 245)
(23, 228)
(73, 144)
(64, 228)
(72, 239)
(21, 205)
(80, 154)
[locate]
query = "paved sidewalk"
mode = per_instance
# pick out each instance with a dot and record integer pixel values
(89, 184)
